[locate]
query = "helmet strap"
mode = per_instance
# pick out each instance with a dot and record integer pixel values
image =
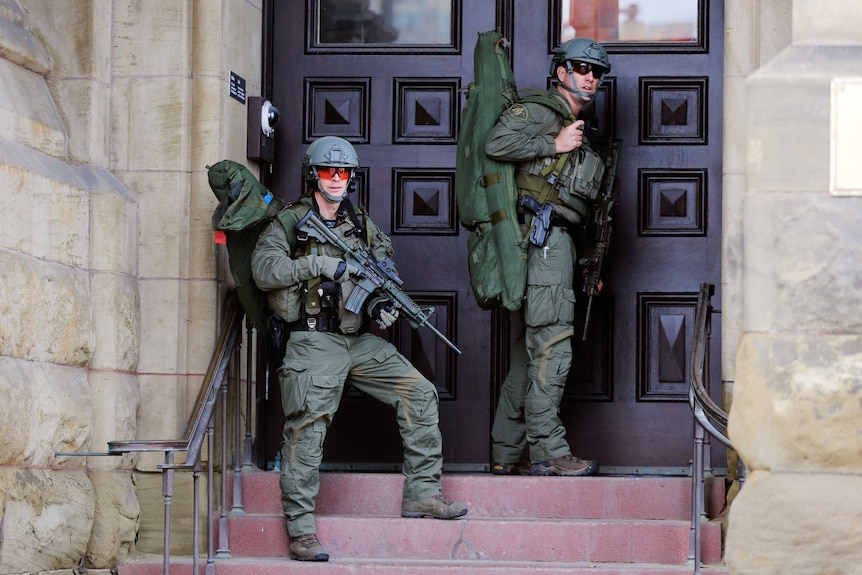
(330, 198)
(583, 97)
(312, 175)
(334, 199)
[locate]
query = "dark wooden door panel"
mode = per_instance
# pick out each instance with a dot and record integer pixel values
(664, 102)
(401, 110)
(626, 398)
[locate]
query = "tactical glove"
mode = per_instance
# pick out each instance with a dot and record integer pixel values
(383, 311)
(334, 268)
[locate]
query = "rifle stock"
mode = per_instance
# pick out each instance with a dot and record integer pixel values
(376, 276)
(603, 219)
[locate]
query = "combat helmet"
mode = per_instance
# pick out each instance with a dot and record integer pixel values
(329, 151)
(580, 50)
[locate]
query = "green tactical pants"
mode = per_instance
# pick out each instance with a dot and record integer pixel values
(509, 431)
(312, 376)
(528, 409)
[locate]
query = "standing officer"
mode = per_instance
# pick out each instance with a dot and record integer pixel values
(545, 143)
(308, 283)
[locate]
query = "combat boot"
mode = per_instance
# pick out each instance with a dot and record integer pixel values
(520, 468)
(307, 547)
(438, 507)
(567, 465)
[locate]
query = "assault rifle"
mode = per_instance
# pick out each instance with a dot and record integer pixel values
(604, 215)
(376, 276)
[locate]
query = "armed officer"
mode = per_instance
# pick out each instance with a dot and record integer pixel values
(308, 284)
(556, 166)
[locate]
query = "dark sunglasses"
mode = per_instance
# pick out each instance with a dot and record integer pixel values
(328, 172)
(584, 68)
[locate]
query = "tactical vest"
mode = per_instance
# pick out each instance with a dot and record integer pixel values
(571, 179)
(321, 297)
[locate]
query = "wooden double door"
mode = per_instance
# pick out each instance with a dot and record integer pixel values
(389, 76)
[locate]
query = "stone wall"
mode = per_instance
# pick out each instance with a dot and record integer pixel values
(797, 405)
(110, 111)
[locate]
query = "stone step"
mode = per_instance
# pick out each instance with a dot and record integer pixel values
(516, 525)
(279, 566)
(487, 495)
(482, 539)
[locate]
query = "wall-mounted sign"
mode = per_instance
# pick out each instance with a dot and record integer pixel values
(237, 87)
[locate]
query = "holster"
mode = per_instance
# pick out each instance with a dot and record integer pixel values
(277, 335)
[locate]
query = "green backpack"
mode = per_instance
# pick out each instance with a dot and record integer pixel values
(485, 189)
(245, 208)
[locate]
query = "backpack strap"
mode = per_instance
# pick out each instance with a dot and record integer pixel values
(288, 218)
(357, 217)
(545, 99)
(541, 187)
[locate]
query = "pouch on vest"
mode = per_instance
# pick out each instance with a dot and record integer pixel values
(587, 176)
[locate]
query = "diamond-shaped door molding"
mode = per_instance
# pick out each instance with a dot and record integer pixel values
(591, 377)
(602, 115)
(665, 326)
(337, 108)
(424, 202)
(426, 111)
(673, 111)
(672, 202)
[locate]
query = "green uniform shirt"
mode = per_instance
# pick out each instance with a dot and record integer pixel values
(285, 278)
(525, 131)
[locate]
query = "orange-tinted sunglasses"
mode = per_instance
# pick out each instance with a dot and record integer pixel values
(328, 172)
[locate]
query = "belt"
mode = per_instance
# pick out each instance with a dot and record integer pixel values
(328, 324)
(556, 220)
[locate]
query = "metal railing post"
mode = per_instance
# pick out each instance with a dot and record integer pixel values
(237, 506)
(223, 549)
(249, 363)
(196, 527)
(705, 412)
(697, 495)
(210, 568)
(167, 493)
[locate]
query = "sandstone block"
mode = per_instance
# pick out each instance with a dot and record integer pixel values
(46, 408)
(116, 321)
(115, 522)
(799, 523)
(48, 517)
(46, 311)
(117, 394)
(797, 404)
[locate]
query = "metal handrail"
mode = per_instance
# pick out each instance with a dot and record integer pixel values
(201, 424)
(704, 408)
(708, 417)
